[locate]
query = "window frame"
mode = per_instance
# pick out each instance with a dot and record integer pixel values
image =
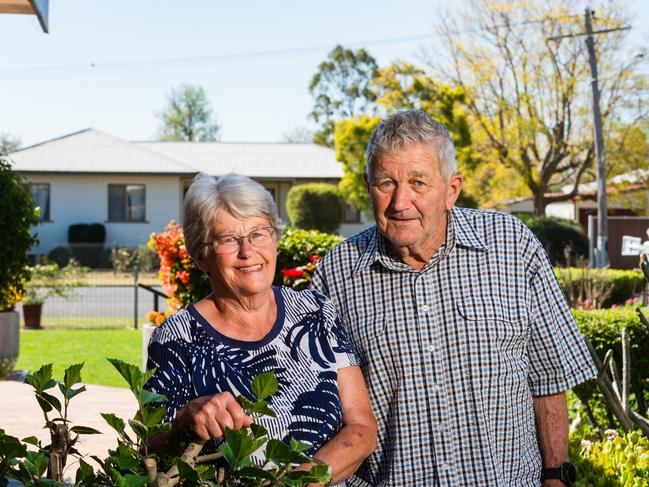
(42, 217)
(124, 218)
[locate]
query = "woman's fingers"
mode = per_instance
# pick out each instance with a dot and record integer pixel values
(209, 416)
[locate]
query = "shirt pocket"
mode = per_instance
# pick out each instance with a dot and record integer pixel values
(366, 327)
(498, 326)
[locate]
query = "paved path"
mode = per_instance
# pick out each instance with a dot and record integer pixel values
(20, 415)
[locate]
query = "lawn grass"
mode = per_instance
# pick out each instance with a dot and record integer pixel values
(66, 347)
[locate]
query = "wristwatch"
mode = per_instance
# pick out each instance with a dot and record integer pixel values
(565, 472)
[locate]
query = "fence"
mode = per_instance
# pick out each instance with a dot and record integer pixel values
(113, 297)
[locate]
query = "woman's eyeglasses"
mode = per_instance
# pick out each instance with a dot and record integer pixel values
(228, 244)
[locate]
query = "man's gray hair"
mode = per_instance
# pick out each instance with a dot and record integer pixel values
(407, 127)
(208, 196)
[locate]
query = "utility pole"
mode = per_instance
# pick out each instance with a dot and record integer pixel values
(602, 218)
(601, 254)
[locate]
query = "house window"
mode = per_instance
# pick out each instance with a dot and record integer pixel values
(126, 203)
(41, 198)
(351, 214)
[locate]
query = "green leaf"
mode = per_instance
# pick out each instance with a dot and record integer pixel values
(185, 471)
(30, 440)
(297, 457)
(85, 430)
(131, 374)
(147, 397)
(241, 444)
(255, 472)
(264, 385)
(72, 375)
(158, 429)
(70, 393)
(299, 446)
(85, 474)
(245, 404)
(127, 463)
(153, 417)
(258, 431)
(114, 422)
(262, 407)
(138, 428)
(39, 379)
(277, 451)
(228, 454)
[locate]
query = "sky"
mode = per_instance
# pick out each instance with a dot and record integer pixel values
(110, 64)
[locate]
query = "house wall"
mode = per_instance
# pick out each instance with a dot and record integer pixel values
(84, 199)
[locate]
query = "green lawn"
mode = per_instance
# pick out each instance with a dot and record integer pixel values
(65, 347)
(86, 322)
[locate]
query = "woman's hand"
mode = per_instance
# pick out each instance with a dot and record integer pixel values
(208, 416)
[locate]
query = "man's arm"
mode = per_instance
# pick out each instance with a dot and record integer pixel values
(552, 427)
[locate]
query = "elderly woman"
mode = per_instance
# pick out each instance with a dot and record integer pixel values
(209, 353)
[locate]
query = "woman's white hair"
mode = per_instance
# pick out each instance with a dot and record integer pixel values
(208, 196)
(411, 127)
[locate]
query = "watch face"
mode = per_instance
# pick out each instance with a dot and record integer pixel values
(568, 472)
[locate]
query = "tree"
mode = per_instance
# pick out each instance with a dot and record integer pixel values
(8, 143)
(341, 89)
(188, 116)
(529, 98)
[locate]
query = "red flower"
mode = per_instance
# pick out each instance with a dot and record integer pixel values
(292, 273)
(314, 259)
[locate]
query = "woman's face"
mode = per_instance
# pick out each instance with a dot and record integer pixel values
(248, 270)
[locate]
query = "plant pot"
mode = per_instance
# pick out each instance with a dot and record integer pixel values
(147, 331)
(9, 341)
(32, 315)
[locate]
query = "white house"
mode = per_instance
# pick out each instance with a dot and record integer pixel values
(135, 188)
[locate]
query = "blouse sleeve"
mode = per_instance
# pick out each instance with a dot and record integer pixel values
(172, 378)
(341, 344)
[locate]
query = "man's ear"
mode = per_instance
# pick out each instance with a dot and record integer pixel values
(454, 187)
(367, 182)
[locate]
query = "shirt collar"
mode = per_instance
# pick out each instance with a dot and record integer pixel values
(459, 232)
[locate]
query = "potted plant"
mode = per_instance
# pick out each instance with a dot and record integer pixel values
(17, 214)
(48, 280)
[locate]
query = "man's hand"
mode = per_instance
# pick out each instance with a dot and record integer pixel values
(208, 416)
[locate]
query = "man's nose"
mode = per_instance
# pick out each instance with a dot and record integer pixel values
(401, 198)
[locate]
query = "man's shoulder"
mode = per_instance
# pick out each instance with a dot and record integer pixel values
(356, 244)
(490, 222)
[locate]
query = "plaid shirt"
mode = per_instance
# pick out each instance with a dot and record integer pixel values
(454, 353)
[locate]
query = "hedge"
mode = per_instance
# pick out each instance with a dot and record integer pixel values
(625, 283)
(603, 327)
(315, 206)
(557, 235)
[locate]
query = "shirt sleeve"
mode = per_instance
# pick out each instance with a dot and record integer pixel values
(559, 358)
(172, 378)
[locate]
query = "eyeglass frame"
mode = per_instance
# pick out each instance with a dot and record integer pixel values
(240, 238)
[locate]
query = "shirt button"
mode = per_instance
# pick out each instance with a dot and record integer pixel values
(435, 388)
(431, 348)
(425, 308)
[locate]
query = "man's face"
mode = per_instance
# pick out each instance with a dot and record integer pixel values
(410, 199)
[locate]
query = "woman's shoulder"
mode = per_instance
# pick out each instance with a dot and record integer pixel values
(179, 326)
(308, 299)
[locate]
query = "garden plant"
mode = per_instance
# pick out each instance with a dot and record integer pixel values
(131, 464)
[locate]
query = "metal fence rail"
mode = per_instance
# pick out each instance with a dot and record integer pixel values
(105, 300)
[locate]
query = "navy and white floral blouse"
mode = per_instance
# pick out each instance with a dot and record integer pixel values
(305, 349)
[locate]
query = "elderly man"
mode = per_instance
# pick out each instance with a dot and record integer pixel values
(465, 338)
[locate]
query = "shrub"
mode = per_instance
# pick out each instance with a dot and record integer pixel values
(60, 255)
(315, 206)
(616, 460)
(298, 248)
(125, 259)
(603, 328)
(625, 283)
(558, 237)
(16, 216)
(182, 280)
(87, 233)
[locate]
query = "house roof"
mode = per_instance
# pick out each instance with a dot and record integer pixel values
(93, 151)
(274, 160)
